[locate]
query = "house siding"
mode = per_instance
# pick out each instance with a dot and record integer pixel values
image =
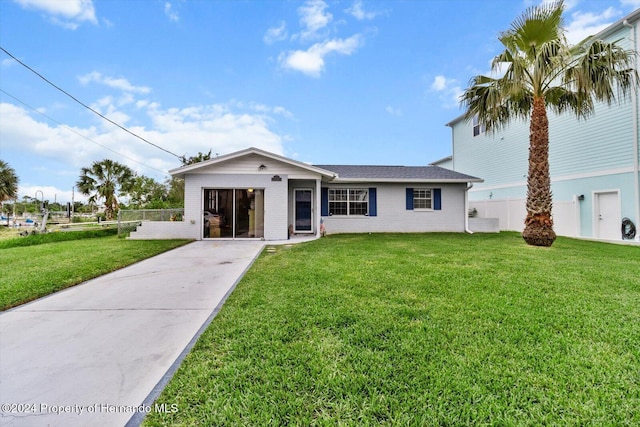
(585, 156)
(392, 215)
(275, 194)
(279, 178)
(250, 165)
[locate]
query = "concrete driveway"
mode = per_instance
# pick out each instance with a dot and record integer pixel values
(99, 353)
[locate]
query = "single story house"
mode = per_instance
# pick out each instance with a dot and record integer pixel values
(256, 194)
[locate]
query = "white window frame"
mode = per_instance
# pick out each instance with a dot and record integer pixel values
(417, 193)
(351, 194)
(478, 129)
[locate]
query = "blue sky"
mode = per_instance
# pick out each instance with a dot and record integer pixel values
(324, 82)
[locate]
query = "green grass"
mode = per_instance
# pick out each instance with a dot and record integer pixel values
(36, 266)
(435, 329)
(37, 239)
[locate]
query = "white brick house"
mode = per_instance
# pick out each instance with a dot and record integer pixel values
(256, 194)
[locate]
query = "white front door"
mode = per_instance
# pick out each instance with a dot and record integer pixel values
(303, 210)
(607, 215)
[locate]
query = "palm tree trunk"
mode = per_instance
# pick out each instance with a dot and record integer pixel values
(538, 228)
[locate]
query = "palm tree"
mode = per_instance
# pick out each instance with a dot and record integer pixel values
(8, 183)
(544, 72)
(106, 180)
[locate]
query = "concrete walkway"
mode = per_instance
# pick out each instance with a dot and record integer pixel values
(98, 354)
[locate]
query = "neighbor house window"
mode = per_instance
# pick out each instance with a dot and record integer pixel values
(348, 201)
(422, 198)
(477, 127)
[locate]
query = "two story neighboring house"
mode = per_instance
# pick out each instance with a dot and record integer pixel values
(593, 163)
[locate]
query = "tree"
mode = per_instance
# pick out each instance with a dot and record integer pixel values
(106, 180)
(175, 192)
(8, 183)
(544, 72)
(201, 157)
(146, 190)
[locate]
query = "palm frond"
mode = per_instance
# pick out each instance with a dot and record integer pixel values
(535, 27)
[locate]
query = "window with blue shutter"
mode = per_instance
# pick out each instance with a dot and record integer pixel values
(437, 199)
(409, 199)
(373, 199)
(424, 199)
(324, 201)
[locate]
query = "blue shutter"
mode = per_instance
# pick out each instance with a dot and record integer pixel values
(437, 199)
(409, 199)
(324, 201)
(373, 200)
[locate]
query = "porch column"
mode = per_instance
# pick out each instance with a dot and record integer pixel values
(317, 206)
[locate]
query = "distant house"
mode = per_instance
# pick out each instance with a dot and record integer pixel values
(593, 163)
(256, 194)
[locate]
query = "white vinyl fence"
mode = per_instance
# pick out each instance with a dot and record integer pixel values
(511, 214)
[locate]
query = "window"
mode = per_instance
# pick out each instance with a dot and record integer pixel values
(348, 201)
(422, 198)
(477, 127)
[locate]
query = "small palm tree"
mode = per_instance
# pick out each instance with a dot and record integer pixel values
(8, 183)
(106, 180)
(543, 71)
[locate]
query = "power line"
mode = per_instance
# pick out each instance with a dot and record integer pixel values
(86, 106)
(79, 134)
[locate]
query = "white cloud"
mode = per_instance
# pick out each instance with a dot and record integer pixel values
(115, 83)
(274, 34)
(439, 83)
(51, 193)
(283, 112)
(313, 18)
(260, 108)
(68, 13)
(581, 25)
(449, 91)
(223, 128)
(568, 4)
(393, 111)
(170, 12)
(358, 12)
(8, 62)
(317, 37)
(311, 61)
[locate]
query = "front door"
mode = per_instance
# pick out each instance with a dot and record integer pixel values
(607, 215)
(303, 210)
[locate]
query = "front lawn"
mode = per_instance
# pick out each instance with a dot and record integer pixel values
(34, 266)
(433, 329)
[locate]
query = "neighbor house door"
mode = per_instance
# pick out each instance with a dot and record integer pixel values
(303, 210)
(607, 215)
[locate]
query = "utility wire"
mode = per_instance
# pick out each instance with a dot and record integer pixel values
(79, 134)
(85, 105)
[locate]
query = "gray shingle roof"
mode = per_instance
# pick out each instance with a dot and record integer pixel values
(397, 173)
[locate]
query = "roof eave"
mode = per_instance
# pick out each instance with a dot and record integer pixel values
(456, 120)
(632, 17)
(408, 180)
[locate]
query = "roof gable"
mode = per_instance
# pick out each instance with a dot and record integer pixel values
(208, 165)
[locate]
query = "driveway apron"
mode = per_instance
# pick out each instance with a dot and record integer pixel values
(92, 354)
